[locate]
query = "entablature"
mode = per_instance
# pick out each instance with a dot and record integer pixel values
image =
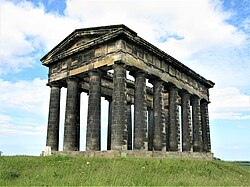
(121, 44)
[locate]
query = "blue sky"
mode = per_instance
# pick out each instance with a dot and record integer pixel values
(211, 37)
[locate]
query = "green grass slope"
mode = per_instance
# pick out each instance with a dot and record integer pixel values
(76, 171)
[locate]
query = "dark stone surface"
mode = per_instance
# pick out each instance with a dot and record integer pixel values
(71, 121)
(165, 132)
(53, 119)
(130, 147)
(93, 141)
(205, 126)
(119, 135)
(150, 129)
(196, 117)
(186, 121)
(140, 112)
(109, 123)
(173, 121)
(78, 110)
(157, 109)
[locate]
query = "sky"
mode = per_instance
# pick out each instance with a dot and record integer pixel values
(212, 37)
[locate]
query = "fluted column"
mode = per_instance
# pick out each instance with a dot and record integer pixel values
(157, 109)
(119, 109)
(150, 128)
(196, 117)
(129, 126)
(70, 126)
(140, 112)
(93, 142)
(173, 121)
(205, 126)
(109, 99)
(54, 116)
(186, 121)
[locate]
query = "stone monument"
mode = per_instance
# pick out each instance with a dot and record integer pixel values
(177, 101)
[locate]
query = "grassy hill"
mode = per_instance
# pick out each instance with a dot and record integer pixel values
(65, 170)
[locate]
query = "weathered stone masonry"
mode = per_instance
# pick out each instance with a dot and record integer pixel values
(81, 63)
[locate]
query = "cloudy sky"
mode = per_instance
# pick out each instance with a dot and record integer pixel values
(209, 36)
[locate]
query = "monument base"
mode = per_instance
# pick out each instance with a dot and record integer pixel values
(136, 154)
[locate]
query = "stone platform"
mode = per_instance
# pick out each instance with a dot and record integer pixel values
(136, 154)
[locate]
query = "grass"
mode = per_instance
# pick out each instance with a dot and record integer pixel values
(245, 165)
(76, 171)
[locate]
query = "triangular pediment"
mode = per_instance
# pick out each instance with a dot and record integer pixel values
(81, 37)
(76, 41)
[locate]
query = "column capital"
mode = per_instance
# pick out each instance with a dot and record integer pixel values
(155, 80)
(119, 63)
(73, 78)
(194, 98)
(172, 87)
(184, 92)
(204, 101)
(137, 73)
(96, 72)
(54, 84)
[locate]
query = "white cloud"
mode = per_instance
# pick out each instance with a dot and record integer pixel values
(27, 32)
(24, 107)
(229, 103)
(9, 125)
(201, 23)
(28, 96)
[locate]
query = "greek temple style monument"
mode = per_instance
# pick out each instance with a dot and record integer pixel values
(170, 117)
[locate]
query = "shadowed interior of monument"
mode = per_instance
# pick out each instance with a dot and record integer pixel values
(104, 120)
(154, 105)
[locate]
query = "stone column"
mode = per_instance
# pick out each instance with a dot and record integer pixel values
(165, 133)
(150, 128)
(109, 99)
(54, 116)
(93, 142)
(129, 126)
(140, 112)
(196, 117)
(157, 109)
(78, 110)
(119, 109)
(70, 126)
(186, 121)
(205, 126)
(173, 121)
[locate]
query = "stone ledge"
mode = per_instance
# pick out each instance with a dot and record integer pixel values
(137, 154)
